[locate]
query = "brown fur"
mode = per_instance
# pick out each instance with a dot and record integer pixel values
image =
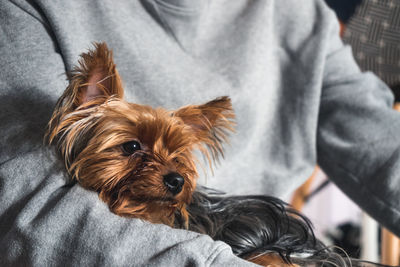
(90, 127)
(270, 260)
(91, 122)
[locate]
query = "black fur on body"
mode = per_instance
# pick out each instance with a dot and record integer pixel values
(255, 225)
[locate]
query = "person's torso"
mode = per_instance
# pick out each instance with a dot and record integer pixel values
(175, 53)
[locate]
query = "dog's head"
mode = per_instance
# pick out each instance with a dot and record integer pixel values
(139, 159)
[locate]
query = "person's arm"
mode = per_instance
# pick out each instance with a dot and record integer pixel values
(358, 138)
(44, 219)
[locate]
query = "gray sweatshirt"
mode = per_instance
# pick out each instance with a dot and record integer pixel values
(299, 97)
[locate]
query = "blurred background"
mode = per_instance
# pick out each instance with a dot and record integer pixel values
(372, 29)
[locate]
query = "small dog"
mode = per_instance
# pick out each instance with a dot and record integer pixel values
(140, 161)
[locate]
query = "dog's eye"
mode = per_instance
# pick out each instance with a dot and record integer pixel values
(131, 147)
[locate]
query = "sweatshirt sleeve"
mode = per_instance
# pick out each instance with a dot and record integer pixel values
(44, 219)
(358, 137)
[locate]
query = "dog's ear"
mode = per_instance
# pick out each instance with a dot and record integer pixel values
(211, 124)
(91, 83)
(98, 70)
(94, 77)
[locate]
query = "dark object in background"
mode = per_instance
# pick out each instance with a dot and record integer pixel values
(374, 34)
(344, 8)
(396, 89)
(347, 236)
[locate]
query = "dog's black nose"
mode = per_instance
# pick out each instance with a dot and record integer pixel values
(174, 182)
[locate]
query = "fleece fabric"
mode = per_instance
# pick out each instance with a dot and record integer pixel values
(299, 98)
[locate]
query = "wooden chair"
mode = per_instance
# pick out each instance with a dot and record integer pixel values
(390, 247)
(390, 244)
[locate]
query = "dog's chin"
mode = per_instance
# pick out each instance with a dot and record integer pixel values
(162, 208)
(168, 211)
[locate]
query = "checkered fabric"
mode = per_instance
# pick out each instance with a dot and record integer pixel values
(374, 34)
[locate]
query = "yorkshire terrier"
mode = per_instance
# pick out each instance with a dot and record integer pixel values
(140, 161)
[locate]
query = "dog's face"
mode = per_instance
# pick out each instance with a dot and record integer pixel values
(139, 159)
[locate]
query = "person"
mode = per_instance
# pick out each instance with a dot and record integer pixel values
(298, 94)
